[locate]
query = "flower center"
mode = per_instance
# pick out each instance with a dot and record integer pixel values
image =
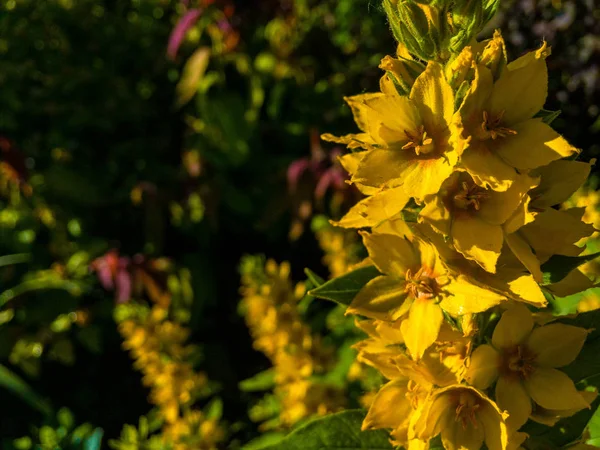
(467, 406)
(492, 127)
(419, 140)
(518, 362)
(470, 196)
(420, 285)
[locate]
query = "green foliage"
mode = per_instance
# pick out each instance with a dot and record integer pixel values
(340, 431)
(343, 289)
(559, 266)
(11, 381)
(61, 433)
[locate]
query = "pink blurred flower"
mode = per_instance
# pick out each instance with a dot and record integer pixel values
(186, 22)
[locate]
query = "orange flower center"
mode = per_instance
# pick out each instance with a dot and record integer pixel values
(469, 196)
(518, 362)
(466, 409)
(492, 126)
(420, 285)
(419, 140)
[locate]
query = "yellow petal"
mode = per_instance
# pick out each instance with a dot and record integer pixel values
(557, 344)
(381, 298)
(465, 297)
(556, 232)
(521, 91)
(559, 180)
(436, 214)
(524, 288)
(433, 96)
(513, 328)
(350, 161)
(534, 145)
(429, 257)
(551, 416)
(396, 226)
(458, 437)
(396, 114)
(373, 210)
(477, 96)
(511, 396)
(552, 389)
(483, 367)
(487, 169)
(380, 167)
(494, 427)
(478, 241)
(422, 327)
(522, 250)
(521, 217)
(390, 408)
(364, 116)
(573, 283)
(392, 255)
(498, 207)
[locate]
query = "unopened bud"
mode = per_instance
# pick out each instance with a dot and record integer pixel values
(420, 27)
(401, 73)
(493, 55)
(467, 20)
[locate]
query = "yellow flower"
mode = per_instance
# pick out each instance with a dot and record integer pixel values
(498, 117)
(524, 361)
(473, 217)
(464, 417)
(415, 284)
(552, 232)
(394, 406)
(411, 141)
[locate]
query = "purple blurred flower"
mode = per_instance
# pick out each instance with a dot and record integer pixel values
(186, 22)
(322, 166)
(113, 274)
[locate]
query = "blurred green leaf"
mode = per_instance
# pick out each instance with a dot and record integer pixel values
(9, 260)
(17, 386)
(193, 71)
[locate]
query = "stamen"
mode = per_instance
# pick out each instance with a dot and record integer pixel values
(420, 285)
(470, 196)
(491, 126)
(419, 140)
(518, 362)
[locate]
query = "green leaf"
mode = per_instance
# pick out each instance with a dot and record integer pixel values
(558, 266)
(19, 387)
(343, 289)
(264, 440)
(548, 116)
(315, 279)
(341, 431)
(193, 71)
(9, 260)
(72, 287)
(262, 381)
(94, 442)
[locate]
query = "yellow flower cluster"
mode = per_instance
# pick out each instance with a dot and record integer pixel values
(461, 177)
(158, 347)
(270, 305)
(337, 244)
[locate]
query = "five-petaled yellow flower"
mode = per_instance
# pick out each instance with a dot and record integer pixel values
(473, 217)
(412, 141)
(524, 361)
(464, 417)
(498, 118)
(415, 284)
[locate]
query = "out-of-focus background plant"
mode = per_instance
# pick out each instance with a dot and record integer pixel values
(146, 148)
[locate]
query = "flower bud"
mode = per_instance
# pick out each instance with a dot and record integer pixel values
(401, 72)
(493, 55)
(420, 27)
(467, 18)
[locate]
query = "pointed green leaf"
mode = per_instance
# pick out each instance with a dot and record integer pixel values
(262, 381)
(19, 387)
(341, 431)
(548, 116)
(343, 289)
(8, 260)
(315, 279)
(558, 266)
